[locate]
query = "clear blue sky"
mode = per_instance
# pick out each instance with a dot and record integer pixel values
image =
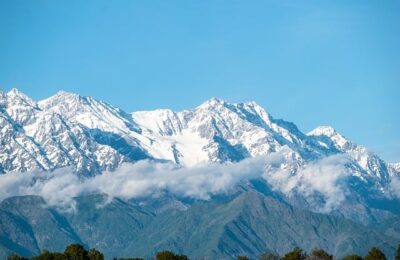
(311, 62)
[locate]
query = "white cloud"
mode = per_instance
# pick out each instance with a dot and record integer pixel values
(324, 177)
(395, 185)
(132, 180)
(146, 178)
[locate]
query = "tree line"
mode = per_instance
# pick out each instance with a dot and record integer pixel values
(78, 252)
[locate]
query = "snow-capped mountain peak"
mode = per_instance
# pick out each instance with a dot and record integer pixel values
(18, 106)
(72, 130)
(63, 93)
(15, 92)
(212, 102)
(370, 165)
(65, 102)
(323, 130)
(89, 112)
(341, 142)
(395, 166)
(16, 97)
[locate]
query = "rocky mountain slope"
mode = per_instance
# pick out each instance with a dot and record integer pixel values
(249, 223)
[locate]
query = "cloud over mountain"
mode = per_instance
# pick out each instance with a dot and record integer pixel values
(57, 142)
(148, 178)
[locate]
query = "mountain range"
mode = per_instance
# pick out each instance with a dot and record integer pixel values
(291, 204)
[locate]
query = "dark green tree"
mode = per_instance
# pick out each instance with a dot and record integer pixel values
(15, 256)
(46, 255)
(76, 252)
(168, 255)
(269, 256)
(353, 257)
(296, 254)
(397, 257)
(242, 257)
(375, 254)
(130, 258)
(95, 254)
(165, 255)
(319, 254)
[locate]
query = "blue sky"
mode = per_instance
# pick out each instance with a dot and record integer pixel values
(311, 62)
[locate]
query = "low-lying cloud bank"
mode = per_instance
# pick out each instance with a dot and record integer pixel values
(140, 179)
(395, 185)
(323, 178)
(146, 178)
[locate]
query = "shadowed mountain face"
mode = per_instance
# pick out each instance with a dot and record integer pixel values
(249, 223)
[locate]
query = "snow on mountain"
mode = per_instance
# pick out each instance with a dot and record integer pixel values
(19, 106)
(368, 166)
(64, 130)
(90, 135)
(18, 151)
(339, 141)
(395, 166)
(218, 131)
(89, 112)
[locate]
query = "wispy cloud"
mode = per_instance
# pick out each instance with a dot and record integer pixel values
(324, 178)
(146, 178)
(141, 179)
(395, 185)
